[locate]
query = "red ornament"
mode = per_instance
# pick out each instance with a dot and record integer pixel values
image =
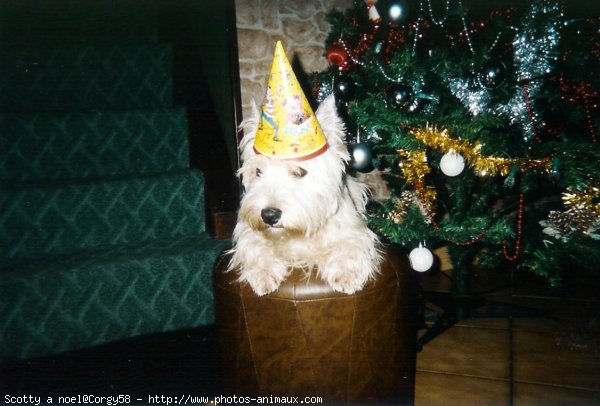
(337, 55)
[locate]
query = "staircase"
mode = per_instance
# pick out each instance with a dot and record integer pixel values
(102, 220)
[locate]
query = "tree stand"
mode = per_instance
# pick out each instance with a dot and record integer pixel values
(307, 340)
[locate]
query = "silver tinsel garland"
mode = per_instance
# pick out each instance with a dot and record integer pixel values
(535, 51)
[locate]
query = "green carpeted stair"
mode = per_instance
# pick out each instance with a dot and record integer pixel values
(102, 222)
(65, 218)
(92, 297)
(76, 145)
(55, 23)
(102, 77)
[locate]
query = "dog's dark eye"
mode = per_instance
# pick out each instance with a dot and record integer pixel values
(258, 172)
(299, 172)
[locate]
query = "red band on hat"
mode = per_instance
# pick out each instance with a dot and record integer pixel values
(302, 158)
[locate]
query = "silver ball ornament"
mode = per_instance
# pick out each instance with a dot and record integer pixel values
(421, 259)
(452, 163)
(361, 156)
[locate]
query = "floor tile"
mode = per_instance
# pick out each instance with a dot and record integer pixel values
(569, 359)
(526, 394)
(434, 389)
(552, 338)
(499, 323)
(545, 313)
(468, 351)
(575, 284)
(583, 325)
(561, 315)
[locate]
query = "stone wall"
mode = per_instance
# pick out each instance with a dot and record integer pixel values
(301, 27)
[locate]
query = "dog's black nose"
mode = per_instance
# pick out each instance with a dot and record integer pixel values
(270, 215)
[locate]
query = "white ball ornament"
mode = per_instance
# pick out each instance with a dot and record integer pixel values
(452, 163)
(421, 259)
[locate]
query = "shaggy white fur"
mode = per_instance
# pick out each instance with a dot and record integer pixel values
(303, 214)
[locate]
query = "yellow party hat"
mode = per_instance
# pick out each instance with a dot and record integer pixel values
(288, 128)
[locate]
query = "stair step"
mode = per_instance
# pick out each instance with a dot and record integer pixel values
(51, 23)
(63, 304)
(89, 145)
(130, 76)
(45, 219)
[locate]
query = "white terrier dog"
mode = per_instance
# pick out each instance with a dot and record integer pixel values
(303, 214)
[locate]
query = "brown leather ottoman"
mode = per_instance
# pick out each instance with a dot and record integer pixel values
(307, 340)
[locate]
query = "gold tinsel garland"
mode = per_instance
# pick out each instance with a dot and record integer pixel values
(483, 165)
(414, 168)
(588, 199)
(414, 165)
(582, 214)
(582, 208)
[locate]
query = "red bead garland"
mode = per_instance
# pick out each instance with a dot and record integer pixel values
(581, 92)
(515, 255)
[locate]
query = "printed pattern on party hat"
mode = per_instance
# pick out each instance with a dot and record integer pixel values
(288, 128)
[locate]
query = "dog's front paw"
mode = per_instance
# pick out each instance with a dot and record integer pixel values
(346, 279)
(265, 279)
(345, 285)
(265, 284)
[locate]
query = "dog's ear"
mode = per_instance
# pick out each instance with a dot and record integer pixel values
(333, 127)
(249, 126)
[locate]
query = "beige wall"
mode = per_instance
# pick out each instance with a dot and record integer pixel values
(299, 24)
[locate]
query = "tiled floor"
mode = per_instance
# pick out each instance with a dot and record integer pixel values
(520, 361)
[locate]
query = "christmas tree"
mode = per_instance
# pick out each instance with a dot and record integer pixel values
(484, 123)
